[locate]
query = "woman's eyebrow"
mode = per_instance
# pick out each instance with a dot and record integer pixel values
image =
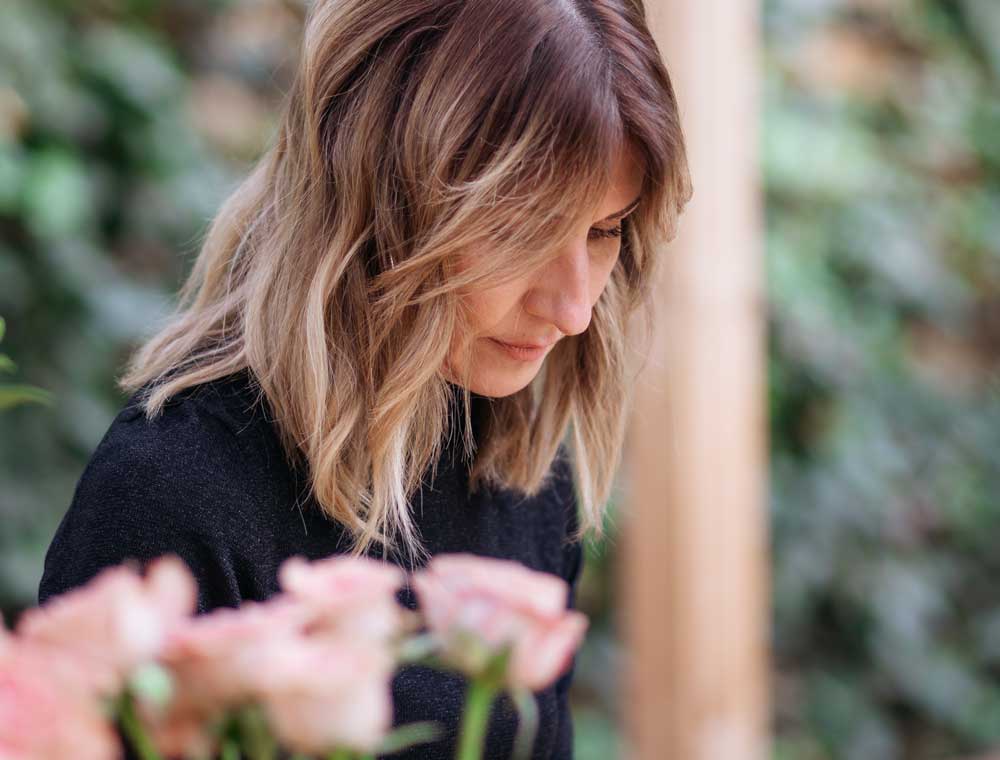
(624, 211)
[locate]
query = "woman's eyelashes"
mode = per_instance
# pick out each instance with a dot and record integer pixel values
(597, 232)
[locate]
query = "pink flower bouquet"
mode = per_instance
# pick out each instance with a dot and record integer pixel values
(308, 671)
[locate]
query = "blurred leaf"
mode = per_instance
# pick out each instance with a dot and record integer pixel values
(58, 196)
(11, 395)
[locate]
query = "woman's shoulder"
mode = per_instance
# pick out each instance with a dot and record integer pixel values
(180, 482)
(204, 436)
(233, 401)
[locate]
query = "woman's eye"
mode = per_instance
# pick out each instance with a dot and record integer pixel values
(598, 233)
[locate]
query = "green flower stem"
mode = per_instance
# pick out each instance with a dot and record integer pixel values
(527, 723)
(133, 729)
(255, 734)
(230, 749)
(475, 719)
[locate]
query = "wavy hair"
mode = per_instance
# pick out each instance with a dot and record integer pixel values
(415, 131)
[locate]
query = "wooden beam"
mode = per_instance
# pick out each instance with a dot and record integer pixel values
(695, 577)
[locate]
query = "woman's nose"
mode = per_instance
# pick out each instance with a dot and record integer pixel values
(562, 293)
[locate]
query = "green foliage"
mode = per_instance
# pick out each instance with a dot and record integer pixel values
(12, 395)
(116, 147)
(881, 137)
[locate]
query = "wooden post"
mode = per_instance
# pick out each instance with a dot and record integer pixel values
(695, 577)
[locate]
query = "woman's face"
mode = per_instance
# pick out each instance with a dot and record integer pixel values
(548, 304)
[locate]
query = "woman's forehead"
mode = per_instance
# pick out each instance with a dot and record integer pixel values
(624, 188)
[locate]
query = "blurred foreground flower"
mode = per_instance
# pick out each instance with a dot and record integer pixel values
(476, 606)
(316, 659)
(214, 661)
(321, 695)
(350, 596)
(48, 708)
(117, 621)
(501, 624)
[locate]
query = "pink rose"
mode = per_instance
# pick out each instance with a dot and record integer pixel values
(318, 692)
(214, 655)
(477, 605)
(214, 660)
(48, 708)
(118, 620)
(352, 596)
(327, 693)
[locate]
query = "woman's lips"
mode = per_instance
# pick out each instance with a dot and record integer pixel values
(522, 353)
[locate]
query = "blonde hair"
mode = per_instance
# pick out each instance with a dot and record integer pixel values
(416, 130)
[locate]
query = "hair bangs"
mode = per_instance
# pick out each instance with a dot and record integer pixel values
(540, 151)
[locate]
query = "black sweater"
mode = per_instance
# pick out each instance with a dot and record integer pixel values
(208, 481)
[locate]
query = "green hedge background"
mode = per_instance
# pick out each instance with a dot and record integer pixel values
(123, 124)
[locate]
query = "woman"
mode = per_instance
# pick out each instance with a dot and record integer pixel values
(451, 179)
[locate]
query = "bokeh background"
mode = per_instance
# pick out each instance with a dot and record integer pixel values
(124, 123)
